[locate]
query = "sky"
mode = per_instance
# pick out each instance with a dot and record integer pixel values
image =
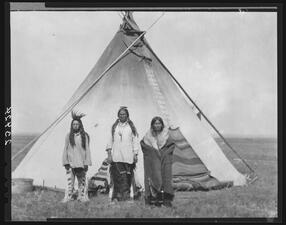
(226, 61)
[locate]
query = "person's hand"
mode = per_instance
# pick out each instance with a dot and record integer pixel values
(67, 166)
(135, 159)
(85, 168)
(109, 158)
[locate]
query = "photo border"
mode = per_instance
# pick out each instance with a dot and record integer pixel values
(112, 6)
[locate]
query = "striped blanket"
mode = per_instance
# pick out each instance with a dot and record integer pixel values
(189, 172)
(101, 182)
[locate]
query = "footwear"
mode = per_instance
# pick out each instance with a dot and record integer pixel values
(167, 199)
(113, 202)
(158, 201)
(160, 198)
(65, 200)
(167, 204)
(83, 199)
(153, 200)
(150, 200)
(158, 204)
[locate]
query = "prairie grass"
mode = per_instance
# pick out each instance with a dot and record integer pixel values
(258, 200)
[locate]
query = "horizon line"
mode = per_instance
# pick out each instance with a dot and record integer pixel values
(213, 135)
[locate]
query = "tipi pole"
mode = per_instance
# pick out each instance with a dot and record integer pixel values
(61, 116)
(77, 101)
(210, 123)
(25, 147)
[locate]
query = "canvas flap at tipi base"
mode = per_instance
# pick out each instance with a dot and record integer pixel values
(141, 82)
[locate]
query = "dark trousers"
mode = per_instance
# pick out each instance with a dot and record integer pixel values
(121, 176)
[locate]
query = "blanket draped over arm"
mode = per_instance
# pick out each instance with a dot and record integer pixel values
(158, 168)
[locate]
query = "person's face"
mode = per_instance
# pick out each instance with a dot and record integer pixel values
(157, 126)
(122, 116)
(75, 125)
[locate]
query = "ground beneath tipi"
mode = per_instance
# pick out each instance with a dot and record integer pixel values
(256, 200)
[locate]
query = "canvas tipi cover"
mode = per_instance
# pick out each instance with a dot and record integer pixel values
(141, 82)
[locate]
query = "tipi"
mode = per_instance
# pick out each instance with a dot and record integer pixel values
(140, 81)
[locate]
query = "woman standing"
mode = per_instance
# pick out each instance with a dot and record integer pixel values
(158, 147)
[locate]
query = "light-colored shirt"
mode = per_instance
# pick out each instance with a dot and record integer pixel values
(124, 145)
(76, 156)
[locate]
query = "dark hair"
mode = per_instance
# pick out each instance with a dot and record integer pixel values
(153, 122)
(83, 134)
(123, 109)
(131, 124)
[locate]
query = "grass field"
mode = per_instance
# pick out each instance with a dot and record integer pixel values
(258, 199)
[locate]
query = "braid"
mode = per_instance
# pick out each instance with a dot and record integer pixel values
(113, 128)
(133, 128)
(88, 139)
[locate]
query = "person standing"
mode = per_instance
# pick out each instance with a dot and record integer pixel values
(157, 147)
(122, 151)
(76, 158)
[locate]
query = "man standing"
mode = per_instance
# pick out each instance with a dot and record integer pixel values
(122, 152)
(76, 158)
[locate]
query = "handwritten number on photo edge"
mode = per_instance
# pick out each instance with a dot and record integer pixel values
(8, 110)
(6, 142)
(9, 134)
(7, 117)
(8, 124)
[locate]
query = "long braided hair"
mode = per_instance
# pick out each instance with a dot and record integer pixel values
(131, 124)
(83, 134)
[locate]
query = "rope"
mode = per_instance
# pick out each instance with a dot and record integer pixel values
(62, 115)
